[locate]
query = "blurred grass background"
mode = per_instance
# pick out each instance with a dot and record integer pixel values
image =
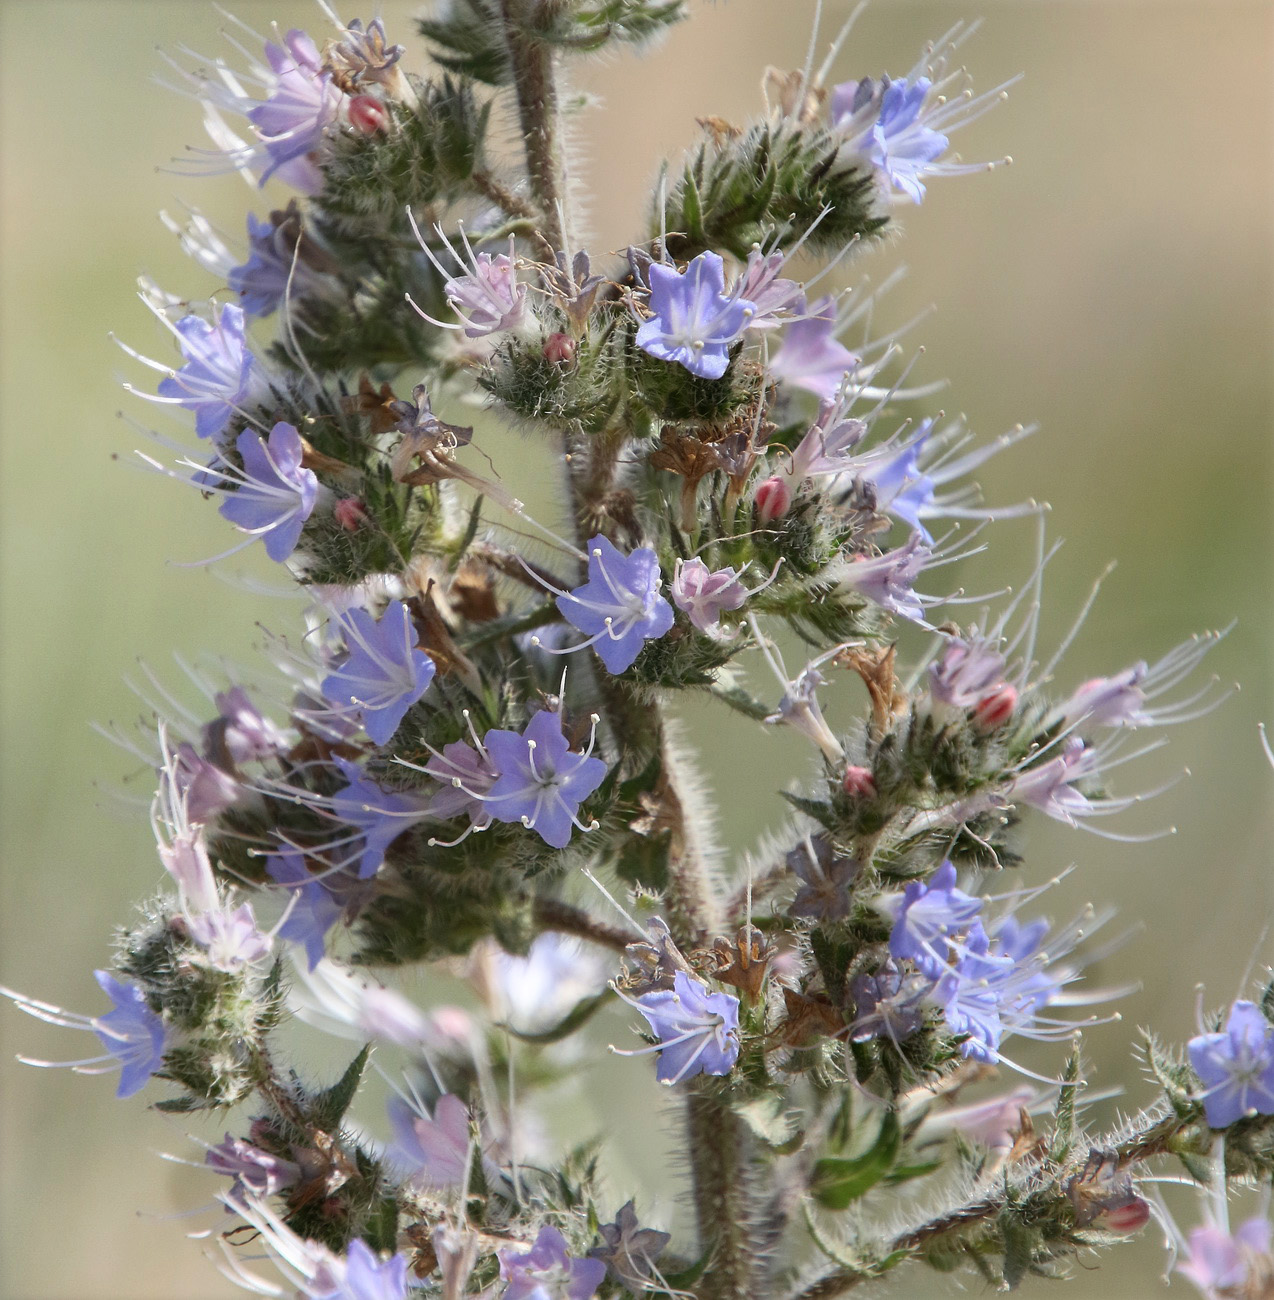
(1114, 284)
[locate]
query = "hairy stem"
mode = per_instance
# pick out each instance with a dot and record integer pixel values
(1158, 1138)
(720, 1150)
(552, 914)
(536, 87)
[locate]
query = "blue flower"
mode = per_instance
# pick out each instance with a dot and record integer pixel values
(385, 674)
(695, 321)
(274, 496)
(927, 916)
(316, 908)
(381, 815)
(698, 1030)
(898, 125)
(619, 607)
(1236, 1067)
(547, 1272)
(970, 994)
(542, 782)
(361, 1275)
(220, 374)
(133, 1035)
(302, 104)
(262, 281)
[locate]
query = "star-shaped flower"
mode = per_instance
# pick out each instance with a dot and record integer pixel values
(385, 674)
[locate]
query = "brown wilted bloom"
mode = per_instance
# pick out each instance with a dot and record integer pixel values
(320, 463)
(363, 56)
(574, 287)
(721, 131)
(742, 964)
(809, 1016)
(876, 668)
(423, 1259)
(793, 96)
(472, 593)
(658, 959)
(692, 458)
(378, 405)
(325, 1169)
(432, 441)
(438, 643)
(1100, 1189)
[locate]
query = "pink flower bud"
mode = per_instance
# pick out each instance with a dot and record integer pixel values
(1126, 1218)
(368, 115)
(857, 782)
(349, 513)
(559, 349)
(772, 498)
(995, 708)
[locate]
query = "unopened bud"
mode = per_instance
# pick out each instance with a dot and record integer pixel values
(995, 708)
(368, 115)
(858, 783)
(559, 349)
(350, 513)
(1125, 1219)
(773, 498)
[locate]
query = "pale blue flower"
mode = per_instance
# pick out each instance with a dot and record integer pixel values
(274, 495)
(384, 674)
(542, 781)
(220, 376)
(1236, 1067)
(547, 1272)
(695, 322)
(698, 1030)
(620, 607)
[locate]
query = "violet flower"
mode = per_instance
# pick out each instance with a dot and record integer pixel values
(542, 781)
(301, 106)
(547, 1272)
(384, 673)
(274, 495)
(694, 322)
(619, 608)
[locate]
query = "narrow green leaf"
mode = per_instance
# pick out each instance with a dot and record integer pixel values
(837, 1181)
(570, 1023)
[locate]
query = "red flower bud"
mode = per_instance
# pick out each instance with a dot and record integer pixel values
(350, 513)
(995, 708)
(858, 783)
(1125, 1218)
(559, 349)
(368, 115)
(772, 498)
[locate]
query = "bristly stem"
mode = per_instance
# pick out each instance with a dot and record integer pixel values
(535, 83)
(720, 1150)
(553, 914)
(1156, 1139)
(719, 1145)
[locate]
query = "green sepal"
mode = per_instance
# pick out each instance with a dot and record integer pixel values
(839, 1180)
(327, 1108)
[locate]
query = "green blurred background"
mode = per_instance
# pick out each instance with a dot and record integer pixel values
(1114, 284)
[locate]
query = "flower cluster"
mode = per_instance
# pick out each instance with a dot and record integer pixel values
(474, 764)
